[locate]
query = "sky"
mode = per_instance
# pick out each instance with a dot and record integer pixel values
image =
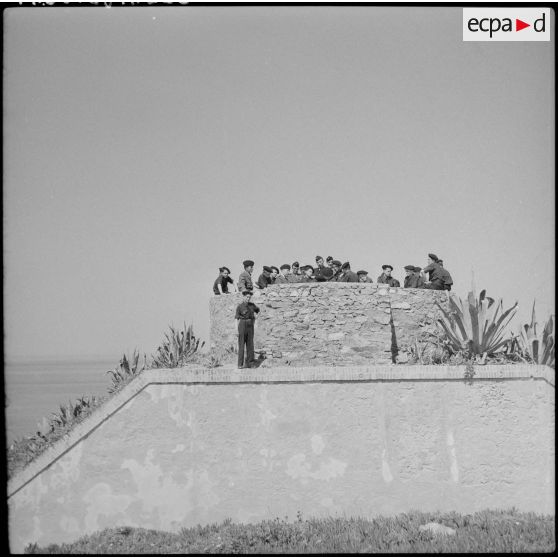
(146, 147)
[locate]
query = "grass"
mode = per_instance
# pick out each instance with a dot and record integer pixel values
(489, 531)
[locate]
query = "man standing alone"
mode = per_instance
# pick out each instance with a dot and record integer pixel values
(245, 317)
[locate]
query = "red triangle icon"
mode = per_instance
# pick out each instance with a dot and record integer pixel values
(519, 25)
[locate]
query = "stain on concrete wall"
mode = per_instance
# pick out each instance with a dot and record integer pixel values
(330, 323)
(180, 455)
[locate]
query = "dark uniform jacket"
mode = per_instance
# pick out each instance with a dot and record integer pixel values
(245, 282)
(446, 278)
(410, 281)
(413, 281)
(323, 273)
(246, 311)
(435, 275)
(223, 281)
(348, 277)
(384, 279)
(335, 276)
(263, 281)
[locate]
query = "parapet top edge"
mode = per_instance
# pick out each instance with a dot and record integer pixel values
(346, 373)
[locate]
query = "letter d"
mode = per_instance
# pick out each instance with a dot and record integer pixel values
(537, 21)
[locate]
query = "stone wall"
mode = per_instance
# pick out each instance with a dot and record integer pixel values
(178, 448)
(330, 323)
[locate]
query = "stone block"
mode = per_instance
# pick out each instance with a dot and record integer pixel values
(337, 336)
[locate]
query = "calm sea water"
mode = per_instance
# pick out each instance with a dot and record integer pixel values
(36, 389)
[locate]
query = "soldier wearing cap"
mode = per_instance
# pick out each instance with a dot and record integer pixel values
(347, 276)
(411, 278)
(336, 266)
(265, 278)
(245, 278)
(363, 277)
(284, 273)
(296, 272)
(274, 273)
(420, 278)
(435, 274)
(245, 317)
(386, 279)
(308, 274)
(322, 272)
(222, 281)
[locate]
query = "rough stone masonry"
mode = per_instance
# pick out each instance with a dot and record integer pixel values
(330, 323)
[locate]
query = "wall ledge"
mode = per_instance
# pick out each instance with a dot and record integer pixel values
(307, 374)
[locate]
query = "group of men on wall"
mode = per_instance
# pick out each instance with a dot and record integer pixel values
(332, 270)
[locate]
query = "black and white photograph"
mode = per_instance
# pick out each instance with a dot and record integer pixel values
(279, 278)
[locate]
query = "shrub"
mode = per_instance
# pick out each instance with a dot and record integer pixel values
(127, 369)
(532, 346)
(477, 326)
(177, 348)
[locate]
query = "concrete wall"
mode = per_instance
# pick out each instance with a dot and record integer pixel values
(330, 323)
(181, 448)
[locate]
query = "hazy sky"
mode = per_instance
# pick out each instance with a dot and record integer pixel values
(146, 147)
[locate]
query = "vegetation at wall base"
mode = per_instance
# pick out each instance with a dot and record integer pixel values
(535, 348)
(485, 532)
(25, 449)
(477, 326)
(177, 349)
(126, 371)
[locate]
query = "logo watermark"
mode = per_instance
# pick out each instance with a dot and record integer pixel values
(506, 24)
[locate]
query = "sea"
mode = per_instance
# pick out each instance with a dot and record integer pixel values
(36, 388)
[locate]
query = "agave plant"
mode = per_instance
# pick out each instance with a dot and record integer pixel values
(476, 326)
(177, 348)
(127, 369)
(537, 349)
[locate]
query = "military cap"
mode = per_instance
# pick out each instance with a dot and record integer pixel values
(417, 269)
(319, 258)
(346, 265)
(336, 262)
(433, 257)
(273, 268)
(247, 263)
(296, 264)
(386, 266)
(329, 259)
(224, 269)
(410, 267)
(267, 268)
(362, 272)
(246, 292)
(285, 266)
